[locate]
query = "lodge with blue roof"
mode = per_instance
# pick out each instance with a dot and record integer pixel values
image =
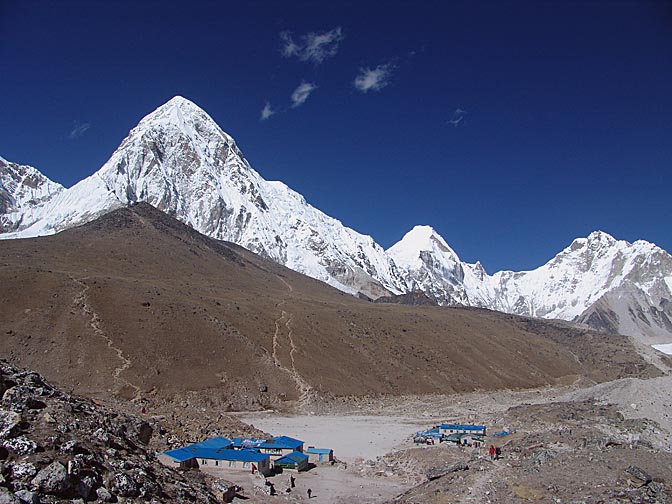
(249, 454)
(216, 454)
(448, 429)
(460, 434)
(280, 446)
(317, 455)
(296, 461)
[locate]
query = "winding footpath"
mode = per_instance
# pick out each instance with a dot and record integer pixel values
(285, 320)
(81, 301)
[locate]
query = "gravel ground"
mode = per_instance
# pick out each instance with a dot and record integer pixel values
(573, 444)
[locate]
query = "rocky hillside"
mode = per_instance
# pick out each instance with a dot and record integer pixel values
(139, 306)
(576, 451)
(57, 447)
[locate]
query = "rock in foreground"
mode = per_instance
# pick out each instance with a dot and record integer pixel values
(55, 447)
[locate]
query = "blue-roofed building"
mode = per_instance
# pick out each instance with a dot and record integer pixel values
(448, 429)
(280, 446)
(185, 457)
(475, 440)
(228, 459)
(296, 461)
(317, 455)
(216, 454)
(216, 443)
(182, 458)
(429, 436)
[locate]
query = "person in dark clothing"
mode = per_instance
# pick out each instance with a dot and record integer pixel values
(292, 479)
(310, 493)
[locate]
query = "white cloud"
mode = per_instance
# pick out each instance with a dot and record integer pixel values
(301, 93)
(266, 112)
(319, 47)
(457, 117)
(289, 47)
(373, 79)
(313, 47)
(79, 130)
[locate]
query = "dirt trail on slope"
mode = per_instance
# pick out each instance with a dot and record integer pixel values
(285, 320)
(81, 301)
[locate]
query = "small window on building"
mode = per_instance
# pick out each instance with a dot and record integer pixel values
(204, 462)
(232, 463)
(246, 465)
(216, 462)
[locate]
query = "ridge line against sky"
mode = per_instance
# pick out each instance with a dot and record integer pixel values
(511, 128)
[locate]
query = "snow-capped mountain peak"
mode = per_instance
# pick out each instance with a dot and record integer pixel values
(180, 161)
(430, 265)
(407, 253)
(22, 187)
(181, 114)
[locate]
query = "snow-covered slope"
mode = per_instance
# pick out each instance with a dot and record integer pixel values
(22, 188)
(180, 161)
(580, 275)
(610, 284)
(431, 266)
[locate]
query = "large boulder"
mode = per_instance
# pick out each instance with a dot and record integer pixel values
(20, 445)
(638, 476)
(438, 472)
(53, 479)
(7, 497)
(9, 420)
(124, 486)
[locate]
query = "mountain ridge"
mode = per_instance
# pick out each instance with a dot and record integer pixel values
(179, 160)
(137, 304)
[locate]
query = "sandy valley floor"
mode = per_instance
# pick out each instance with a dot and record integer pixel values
(380, 462)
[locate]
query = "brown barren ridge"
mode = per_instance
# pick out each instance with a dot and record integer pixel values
(138, 305)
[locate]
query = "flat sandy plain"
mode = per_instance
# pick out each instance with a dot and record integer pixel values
(361, 440)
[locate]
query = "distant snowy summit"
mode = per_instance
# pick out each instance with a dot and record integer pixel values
(180, 161)
(607, 283)
(22, 188)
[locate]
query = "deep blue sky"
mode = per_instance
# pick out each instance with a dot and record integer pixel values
(567, 126)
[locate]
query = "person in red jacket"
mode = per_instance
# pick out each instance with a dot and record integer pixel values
(492, 452)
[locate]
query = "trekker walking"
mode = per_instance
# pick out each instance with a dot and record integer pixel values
(492, 452)
(310, 493)
(291, 481)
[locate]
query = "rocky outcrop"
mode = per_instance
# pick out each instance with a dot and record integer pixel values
(438, 472)
(57, 447)
(415, 298)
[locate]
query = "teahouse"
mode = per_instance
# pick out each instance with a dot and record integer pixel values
(217, 454)
(318, 455)
(295, 460)
(448, 429)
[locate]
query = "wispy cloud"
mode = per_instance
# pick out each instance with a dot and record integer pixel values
(79, 130)
(457, 117)
(289, 47)
(266, 112)
(373, 79)
(312, 47)
(301, 93)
